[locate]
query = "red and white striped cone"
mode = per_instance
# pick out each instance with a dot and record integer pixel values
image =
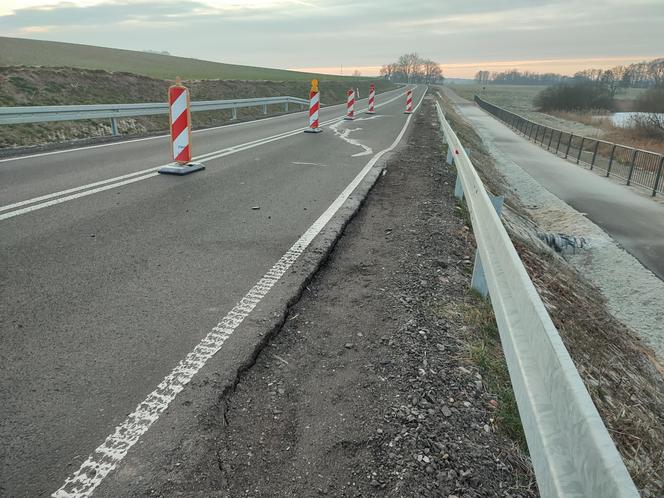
(350, 104)
(372, 97)
(314, 106)
(409, 101)
(180, 118)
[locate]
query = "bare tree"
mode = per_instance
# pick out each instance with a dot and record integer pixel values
(357, 73)
(482, 77)
(656, 72)
(432, 71)
(411, 66)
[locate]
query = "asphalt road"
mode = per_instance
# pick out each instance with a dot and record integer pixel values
(632, 218)
(106, 287)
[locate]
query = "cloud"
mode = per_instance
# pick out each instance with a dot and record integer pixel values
(315, 33)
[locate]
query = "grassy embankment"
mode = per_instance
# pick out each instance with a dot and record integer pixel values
(115, 76)
(521, 99)
(22, 52)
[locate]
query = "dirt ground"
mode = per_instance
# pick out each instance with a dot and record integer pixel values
(368, 390)
(387, 377)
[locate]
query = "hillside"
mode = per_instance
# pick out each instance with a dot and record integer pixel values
(23, 52)
(21, 86)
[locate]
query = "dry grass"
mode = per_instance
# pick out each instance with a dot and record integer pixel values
(520, 99)
(586, 117)
(633, 138)
(637, 137)
(623, 377)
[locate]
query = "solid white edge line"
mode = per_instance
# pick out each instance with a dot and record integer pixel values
(203, 130)
(202, 158)
(116, 446)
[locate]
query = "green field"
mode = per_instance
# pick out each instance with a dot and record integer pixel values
(518, 98)
(22, 52)
(521, 98)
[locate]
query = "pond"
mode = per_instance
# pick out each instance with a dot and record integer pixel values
(624, 119)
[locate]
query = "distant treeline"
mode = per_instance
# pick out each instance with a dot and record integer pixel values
(411, 68)
(639, 75)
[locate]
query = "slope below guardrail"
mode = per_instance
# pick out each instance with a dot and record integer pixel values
(41, 114)
(636, 166)
(571, 450)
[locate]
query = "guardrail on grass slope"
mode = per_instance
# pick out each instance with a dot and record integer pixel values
(635, 166)
(41, 114)
(571, 450)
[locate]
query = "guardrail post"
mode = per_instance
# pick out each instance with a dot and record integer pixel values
(592, 163)
(449, 159)
(114, 127)
(608, 169)
(458, 187)
(631, 166)
(537, 130)
(265, 109)
(578, 156)
(569, 144)
(659, 175)
(286, 106)
(560, 137)
(234, 113)
(478, 279)
(548, 146)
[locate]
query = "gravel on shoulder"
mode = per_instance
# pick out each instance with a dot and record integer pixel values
(368, 389)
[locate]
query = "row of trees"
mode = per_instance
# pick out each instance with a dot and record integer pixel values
(411, 68)
(639, 75)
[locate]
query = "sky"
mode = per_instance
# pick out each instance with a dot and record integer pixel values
(329, 36)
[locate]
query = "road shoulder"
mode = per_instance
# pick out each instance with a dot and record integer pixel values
(368, 388)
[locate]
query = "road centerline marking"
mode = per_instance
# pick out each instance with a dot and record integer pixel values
(82, 191)
(105, 458)
(143, 139)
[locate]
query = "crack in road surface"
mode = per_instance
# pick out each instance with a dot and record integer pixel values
(344, 135)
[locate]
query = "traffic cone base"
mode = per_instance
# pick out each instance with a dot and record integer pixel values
(313, 130)
(181, 169)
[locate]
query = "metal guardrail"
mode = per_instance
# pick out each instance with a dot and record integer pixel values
(571, 450)
(635, 166)
(41, 114)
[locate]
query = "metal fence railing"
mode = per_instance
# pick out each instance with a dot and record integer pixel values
(42, 114)
(636, 166)
(572, 452)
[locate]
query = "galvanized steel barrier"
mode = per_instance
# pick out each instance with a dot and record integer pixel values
(571, 450)
(636, 166)
(41, 114)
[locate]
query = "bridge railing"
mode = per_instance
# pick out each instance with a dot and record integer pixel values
(572, 453)
(41, 114)
(636, 166)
